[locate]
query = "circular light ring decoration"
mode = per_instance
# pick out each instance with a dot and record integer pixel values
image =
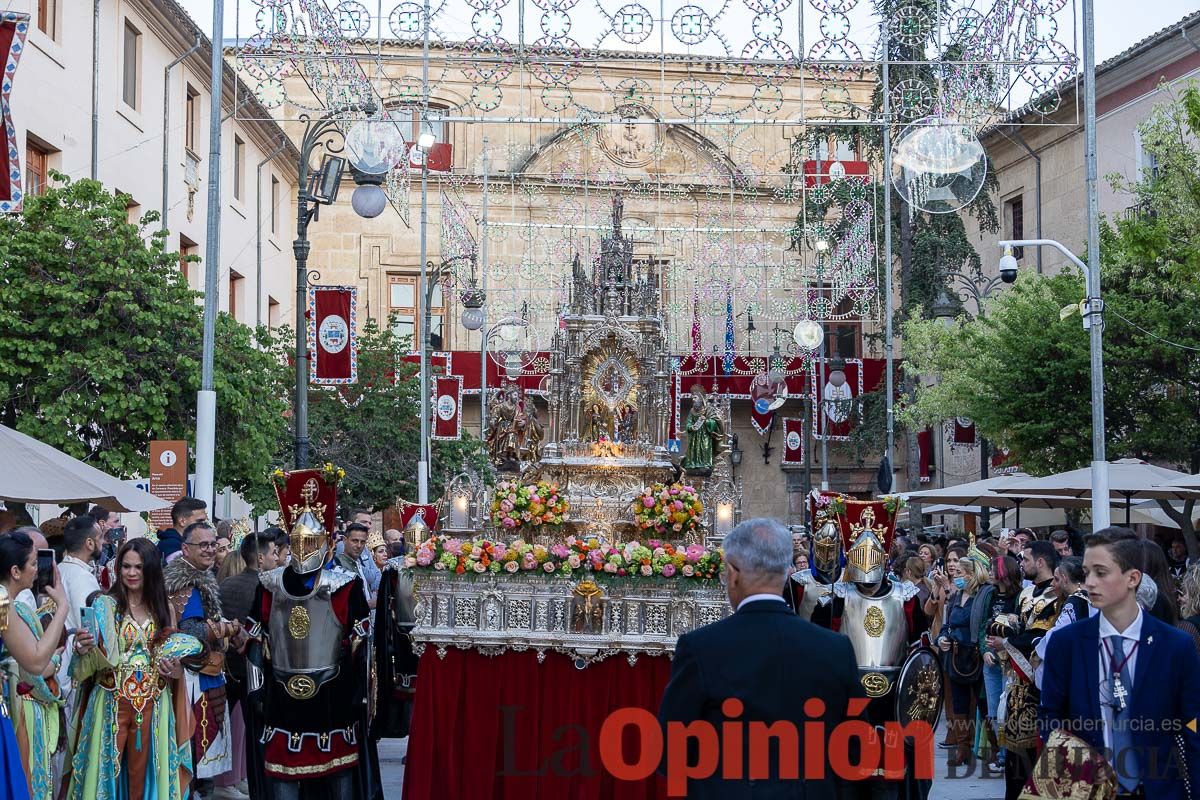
(353, 19)
(938, 165)
(631, 90)
(1048, 102)
(487, 23)
(766, 26)
(271, 93)
(495, 5)
(555, 5)
(557, 98)
(633, 23)
(1061, 67)
(911, 26)
(836, 99)
(487, 97)
(691, 24)
(835, 51)
(964, 25)
(407, 20)
(555, 25)
(768, 99)
(487, 60)
(559, 62)
(691, 97)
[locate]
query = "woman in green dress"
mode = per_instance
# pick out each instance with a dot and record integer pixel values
(134, 725)
(29, 696)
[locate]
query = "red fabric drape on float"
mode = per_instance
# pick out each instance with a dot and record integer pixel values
(467, 704)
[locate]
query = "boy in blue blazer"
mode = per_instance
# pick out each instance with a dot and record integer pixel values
(1125, 682)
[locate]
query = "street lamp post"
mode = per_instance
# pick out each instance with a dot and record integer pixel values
(316, 188)
(966, 287)
(1093, 322)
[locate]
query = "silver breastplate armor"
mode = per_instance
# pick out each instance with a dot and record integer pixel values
(815, 594)
(304, 632)
(876, 625)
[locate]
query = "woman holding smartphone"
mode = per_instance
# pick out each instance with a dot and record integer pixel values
(133, 727)
(29, 706)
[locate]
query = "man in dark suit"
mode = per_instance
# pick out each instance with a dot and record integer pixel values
(759, 665)
(1126, 682)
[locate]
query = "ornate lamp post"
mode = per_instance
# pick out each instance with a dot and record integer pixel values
(372, 153)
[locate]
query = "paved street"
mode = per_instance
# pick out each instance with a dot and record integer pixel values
(959, 784)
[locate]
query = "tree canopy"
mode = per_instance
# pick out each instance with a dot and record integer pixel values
(101, 344)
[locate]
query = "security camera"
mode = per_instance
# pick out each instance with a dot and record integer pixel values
(1008, 266)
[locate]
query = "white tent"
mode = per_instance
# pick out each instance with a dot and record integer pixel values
(35, 472)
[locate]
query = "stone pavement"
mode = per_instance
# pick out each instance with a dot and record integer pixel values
(951, 784)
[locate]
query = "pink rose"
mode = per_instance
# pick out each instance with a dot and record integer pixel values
(424, 557)
(476, 551)
(688, 571)
(694, 552)
(573, 560)
(674, 491)
(499, 551)
(677, 505)
(453, 546)
(668, 570)
(648, 502)
(548, 566)
(610, 567)
(439, 565)
(511, 566)
(647, 570)
(560, 551)
(506, 506)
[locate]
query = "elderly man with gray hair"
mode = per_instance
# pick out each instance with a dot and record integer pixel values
(761, 664)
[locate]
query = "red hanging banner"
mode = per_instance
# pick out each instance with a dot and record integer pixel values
(13, 28)
(793, 441)
(925, 448)
(447, 405)
(332, 335)
(964, 431)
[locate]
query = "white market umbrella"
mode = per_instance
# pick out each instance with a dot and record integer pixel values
(985, 493)
(37, 473)
(1129, 479)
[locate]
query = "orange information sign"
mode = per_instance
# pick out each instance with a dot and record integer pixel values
(168, 477)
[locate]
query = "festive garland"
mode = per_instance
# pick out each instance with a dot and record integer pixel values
(654, 559)
(516, 505)
(675, 508)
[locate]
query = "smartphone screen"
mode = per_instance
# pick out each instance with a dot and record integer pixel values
(45, 569)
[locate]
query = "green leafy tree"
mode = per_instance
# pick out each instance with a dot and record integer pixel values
(1023, 372)
(372, 428)
(100, 341)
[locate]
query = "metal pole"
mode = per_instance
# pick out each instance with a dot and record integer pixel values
(301, 248)
(96, 91)
(985, 513)
(423, 464)
(166, 149)
(206, 402)
(1100, 506)
(887, 259)
(258, 256)
(483, 271)
(808, 423)
(824, 433)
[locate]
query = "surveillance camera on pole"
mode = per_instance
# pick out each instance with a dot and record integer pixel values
(1008, 266)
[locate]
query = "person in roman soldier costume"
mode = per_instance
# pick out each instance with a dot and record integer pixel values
(884, 620)
(308, 663)
(810, 591)
(1015, 637)
(395, 662)
(191, 585)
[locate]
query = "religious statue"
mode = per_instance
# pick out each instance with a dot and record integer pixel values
(706, 434)
(502, 436)
(627, 423)
(530, 431)
(597, 425)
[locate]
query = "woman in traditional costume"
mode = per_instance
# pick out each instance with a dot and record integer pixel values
(29, 736)
(134, 724)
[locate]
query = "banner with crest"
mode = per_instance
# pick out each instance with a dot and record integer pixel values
(332, 335)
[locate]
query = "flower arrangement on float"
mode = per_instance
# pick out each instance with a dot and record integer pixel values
(517, 505)
(676, 509)
(638, 560)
